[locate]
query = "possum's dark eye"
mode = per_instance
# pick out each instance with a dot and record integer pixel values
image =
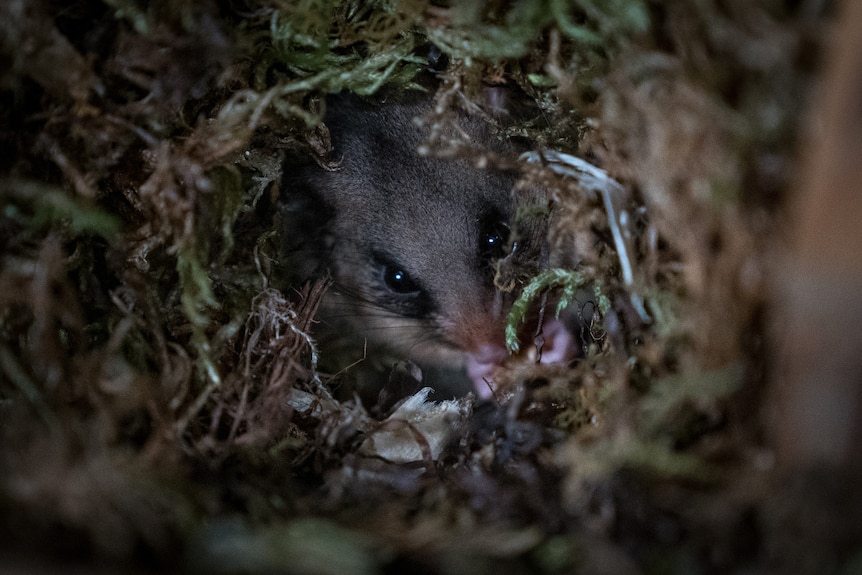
(493, 239)
(398, 291)
(399, 281)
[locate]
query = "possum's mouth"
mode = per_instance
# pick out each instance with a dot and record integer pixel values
(555, 345)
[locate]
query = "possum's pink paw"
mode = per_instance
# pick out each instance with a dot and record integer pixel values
(558, 346)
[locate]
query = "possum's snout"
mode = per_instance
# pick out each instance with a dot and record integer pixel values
(481, 366)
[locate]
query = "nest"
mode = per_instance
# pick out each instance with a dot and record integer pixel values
(160, 395)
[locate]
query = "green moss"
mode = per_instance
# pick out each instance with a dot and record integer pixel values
(39, 206)
(568, 282)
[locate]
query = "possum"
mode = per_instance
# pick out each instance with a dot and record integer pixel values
(412, 243)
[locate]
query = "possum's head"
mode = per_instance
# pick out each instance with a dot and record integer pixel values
(411, 242)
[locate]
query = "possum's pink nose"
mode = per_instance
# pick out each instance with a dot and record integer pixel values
(481, 365)
(558, 347)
